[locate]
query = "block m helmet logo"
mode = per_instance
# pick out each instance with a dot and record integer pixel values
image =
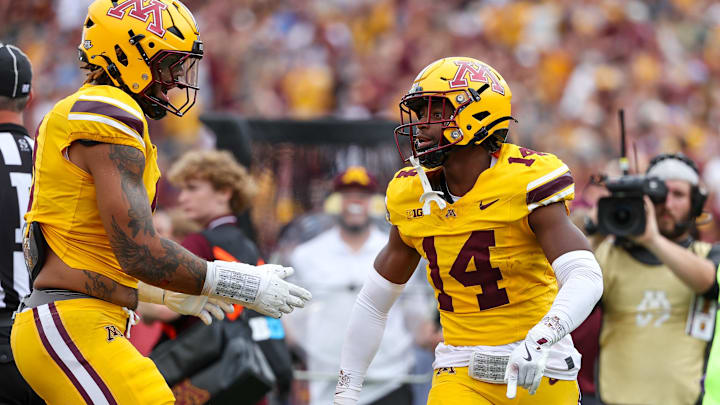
(476, 73)
(141, 12)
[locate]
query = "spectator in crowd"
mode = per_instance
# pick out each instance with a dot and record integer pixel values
(655, 323)
(15, 178)
(214, 189)
(333, 267)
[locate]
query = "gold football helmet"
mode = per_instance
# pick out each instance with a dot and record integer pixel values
(149, 48)
(476, 107)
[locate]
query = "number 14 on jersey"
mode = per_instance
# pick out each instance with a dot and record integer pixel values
(477, 247)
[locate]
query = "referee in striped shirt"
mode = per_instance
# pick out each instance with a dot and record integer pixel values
(15, 179)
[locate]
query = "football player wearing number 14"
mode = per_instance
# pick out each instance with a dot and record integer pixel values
(512, 275)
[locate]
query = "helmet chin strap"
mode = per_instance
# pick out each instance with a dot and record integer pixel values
(429, 195)
(434, 159)
(151, 109)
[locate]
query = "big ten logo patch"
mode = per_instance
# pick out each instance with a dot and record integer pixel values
(654, 308)
(112, 332)
(414, 213)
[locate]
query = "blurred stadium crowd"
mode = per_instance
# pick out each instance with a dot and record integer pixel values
(570, 64)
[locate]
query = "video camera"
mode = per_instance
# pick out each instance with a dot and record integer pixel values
(623, 212)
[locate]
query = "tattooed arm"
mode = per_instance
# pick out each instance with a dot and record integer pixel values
(125, 211)
(126, 215)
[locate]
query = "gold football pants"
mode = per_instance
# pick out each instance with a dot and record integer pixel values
(75, 352)
(453, 385)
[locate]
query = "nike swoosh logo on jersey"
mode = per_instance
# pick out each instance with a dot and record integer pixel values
(483, 206)
(528, 358)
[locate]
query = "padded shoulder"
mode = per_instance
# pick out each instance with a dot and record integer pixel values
(106, 114)
(544, 177)
(404, 191)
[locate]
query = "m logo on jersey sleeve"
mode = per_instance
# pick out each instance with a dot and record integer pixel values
(140, 12)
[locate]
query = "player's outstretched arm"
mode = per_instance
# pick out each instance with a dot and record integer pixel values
(127, 217)
(580, 280)
(394, 265)
(125, 211)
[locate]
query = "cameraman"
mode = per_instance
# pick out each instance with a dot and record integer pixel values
(652, 283)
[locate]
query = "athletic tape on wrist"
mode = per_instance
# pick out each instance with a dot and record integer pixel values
(241, 286)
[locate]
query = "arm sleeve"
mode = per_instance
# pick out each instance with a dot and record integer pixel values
(581, 286)
(365, 331)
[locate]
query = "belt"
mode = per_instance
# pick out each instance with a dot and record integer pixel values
(42, 297)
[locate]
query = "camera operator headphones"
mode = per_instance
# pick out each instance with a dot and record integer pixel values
(698, 195)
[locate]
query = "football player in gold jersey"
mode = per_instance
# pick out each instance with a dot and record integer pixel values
(512, 275)
(90, 243)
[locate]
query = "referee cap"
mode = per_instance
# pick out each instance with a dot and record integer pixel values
(15, 72)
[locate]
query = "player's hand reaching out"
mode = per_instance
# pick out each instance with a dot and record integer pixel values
(260, 288)
(201, 306)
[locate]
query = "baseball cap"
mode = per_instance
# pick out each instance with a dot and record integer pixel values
(15, 72)
(355, 177)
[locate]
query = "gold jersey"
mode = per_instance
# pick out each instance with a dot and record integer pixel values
(63, 196)
(490, 275)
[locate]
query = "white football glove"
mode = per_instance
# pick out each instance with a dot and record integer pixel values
(198, 305)
(527, 362)
(260, 288)
(201, 306)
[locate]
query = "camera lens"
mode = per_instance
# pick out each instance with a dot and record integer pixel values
(622, 215)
